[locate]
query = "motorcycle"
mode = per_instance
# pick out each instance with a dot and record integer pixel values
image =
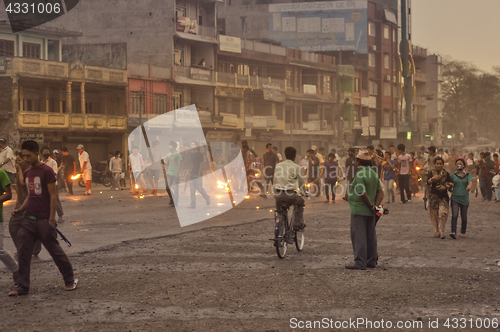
(101, 177)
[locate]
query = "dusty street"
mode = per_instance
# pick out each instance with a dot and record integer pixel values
(223, 274)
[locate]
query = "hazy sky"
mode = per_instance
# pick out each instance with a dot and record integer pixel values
(463, 29)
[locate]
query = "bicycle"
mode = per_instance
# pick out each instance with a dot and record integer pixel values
(282, 228)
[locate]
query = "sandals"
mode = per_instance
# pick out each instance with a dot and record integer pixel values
(72, 286)
(453, 235)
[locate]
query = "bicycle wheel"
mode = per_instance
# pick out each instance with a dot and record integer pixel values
(279, 233)
(299, 240)
(81, 183)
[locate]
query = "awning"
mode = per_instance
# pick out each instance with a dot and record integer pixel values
(311, 98)
(197, 38)
(312, 65)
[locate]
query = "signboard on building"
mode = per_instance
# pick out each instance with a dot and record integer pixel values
(3, 65)
(200, 74)
(365, 101)
(37, 137)
(219, 136)
(260, 121)
(229, 44)
(229, 119)
(321, 26)
(272, 92)
(373, 132)
(388, 133)
(365, 122)
(309, 89)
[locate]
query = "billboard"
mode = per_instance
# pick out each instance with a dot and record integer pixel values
(321, 26)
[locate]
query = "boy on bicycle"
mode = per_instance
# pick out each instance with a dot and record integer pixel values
(287, 179)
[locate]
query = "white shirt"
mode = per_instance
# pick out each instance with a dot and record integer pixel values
(52, 163)
(136, 162)
(7, 154)
(115, 165)
(84, 157)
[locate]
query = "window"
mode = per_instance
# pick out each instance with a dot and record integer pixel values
(222, 105)
(387, 119)
(243, 70)
(371, 29)
(289, 79)
(6, 48)
(373, 117)
(31, 51)
(92, 107)
(235, 107)
(387, 89)
(160, 103)
(177, 100)
(396, 91)
(137, 102)
(371, 59)
(373, 88)
(356, 85)
(386, 61)
(387, 32)
(327, 84)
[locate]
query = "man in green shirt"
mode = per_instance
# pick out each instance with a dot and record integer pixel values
(5, 195)
(365, 193)
(173, 160)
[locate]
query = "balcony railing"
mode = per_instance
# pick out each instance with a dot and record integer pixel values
(194, 73)
(65, 70)
(47, 120)
(247, 81)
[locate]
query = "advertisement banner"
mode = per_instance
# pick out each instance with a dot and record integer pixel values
(229, 44)
(321, 26)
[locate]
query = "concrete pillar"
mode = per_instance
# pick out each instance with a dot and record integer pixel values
(105, 102)
(68, 98)
(242, 108)
(273, 109)
(216, 106)
(82, 97)
(61, 99)
(47, 94)
(21, 99)
(15, 97)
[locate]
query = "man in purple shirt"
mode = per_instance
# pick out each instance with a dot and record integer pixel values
(405, 163)
(39, 221)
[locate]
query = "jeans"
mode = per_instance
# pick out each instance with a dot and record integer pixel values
(40, 229)
(116, 180)
(194, 185)
(69, 183)
(288, 198)
(455, 208)
(173, 188)
(364, 240)
(266, 183)
(404, 185)
(389, 188)
(330, 185)
(5, 256)
(14, 227)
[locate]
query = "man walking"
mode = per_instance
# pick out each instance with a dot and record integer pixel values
(39, 221)
(7, 161)
(135, 168)
(350, 171)
(196, 180)
(270, 162)
(69, 169)
(174, 159)
(5, 195)
(405, 162)
(365, 194)
(49, 161)
(85, 168)
(115, 167)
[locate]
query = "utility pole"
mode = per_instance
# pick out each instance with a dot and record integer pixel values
(405, 49)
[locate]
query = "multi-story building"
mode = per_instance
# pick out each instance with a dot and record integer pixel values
(365, 35)
(267, 92)
(435, 100)
(56, 102)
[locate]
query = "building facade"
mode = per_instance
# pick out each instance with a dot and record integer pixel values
(59, 103)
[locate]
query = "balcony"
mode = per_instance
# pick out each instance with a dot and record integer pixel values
(246, 81)
(419, 52)
(65, 71)
(60, 121)
(420, 76)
